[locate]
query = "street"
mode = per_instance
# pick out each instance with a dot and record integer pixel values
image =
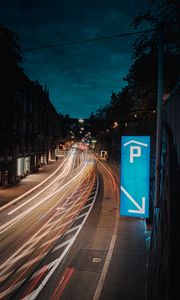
(37, 231)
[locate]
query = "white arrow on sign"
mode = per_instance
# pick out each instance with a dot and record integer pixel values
(140, 210)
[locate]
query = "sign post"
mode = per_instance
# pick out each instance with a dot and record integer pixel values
(135, 164)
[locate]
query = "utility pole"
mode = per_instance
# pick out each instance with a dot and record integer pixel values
(159, 118)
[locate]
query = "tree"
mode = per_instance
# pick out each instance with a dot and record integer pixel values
(142, 76)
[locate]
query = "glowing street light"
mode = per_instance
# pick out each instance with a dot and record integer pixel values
(115, 124)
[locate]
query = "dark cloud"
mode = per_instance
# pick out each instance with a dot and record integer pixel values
(80, 77)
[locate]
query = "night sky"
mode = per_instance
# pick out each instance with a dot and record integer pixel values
(81, 77)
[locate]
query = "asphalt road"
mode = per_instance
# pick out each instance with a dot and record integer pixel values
(84, 270)
(36, 233)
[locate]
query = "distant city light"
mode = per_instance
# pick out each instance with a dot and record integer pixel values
(81, 121)
(115, 125)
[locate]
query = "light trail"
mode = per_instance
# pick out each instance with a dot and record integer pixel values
(68, 166)
(34, 188)
(54, 265)
(62, 283)
(16, 219)
(29, 241)
(43, 253)
(81, 185)
(112, 178)
(26, 269)
(35, 241)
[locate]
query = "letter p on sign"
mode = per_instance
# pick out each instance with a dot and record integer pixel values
(135, 151)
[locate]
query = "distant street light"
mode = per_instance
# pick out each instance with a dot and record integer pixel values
(81, 121)
(115, 125)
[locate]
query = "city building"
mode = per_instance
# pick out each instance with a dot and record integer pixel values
(29, 130)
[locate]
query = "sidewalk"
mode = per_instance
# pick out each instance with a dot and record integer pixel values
(28, 183)
(126, 276)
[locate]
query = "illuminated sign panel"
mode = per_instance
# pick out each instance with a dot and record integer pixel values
(135, 164)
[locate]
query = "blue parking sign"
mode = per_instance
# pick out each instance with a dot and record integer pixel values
(134, 186)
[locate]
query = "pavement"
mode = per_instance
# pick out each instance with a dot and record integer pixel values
(109, 254)
(28, 183)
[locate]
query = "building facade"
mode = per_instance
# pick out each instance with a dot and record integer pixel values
(29, 130)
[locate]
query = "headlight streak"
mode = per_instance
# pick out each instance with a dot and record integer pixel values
(62, 175)
(54, 265)
(34, 188)
(9, 224)
(68, 213)
(15, 283)
(21, 248)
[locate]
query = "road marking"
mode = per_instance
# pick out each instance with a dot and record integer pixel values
(97, 260)
(84, 207)
(57, 262)
(72, 229)
(79, 217)
(35, 282)
(71, 241)
(108, 258)
(35, 240)
(62, 245)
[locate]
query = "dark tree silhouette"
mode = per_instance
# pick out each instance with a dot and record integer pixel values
(142, 76)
